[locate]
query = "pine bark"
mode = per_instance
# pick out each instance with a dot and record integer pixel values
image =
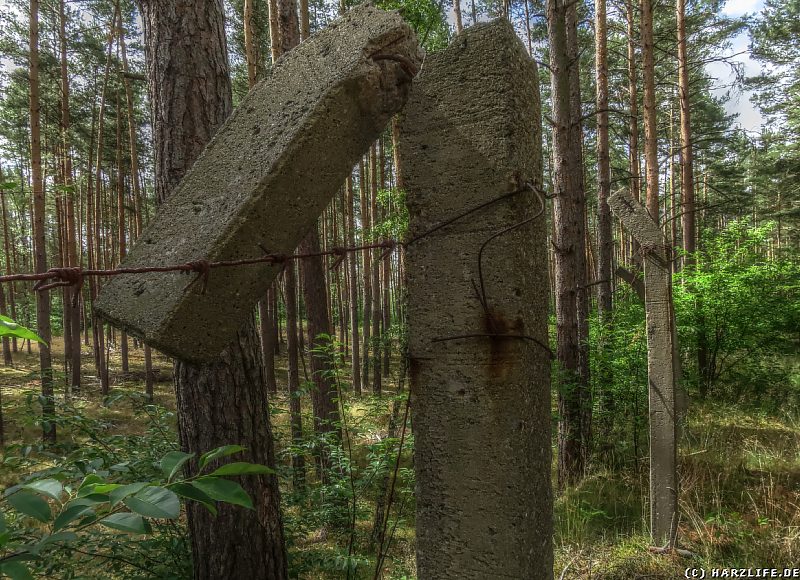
(94, 208)
(689, 209)
(386, 274)
(377, 316)
(293, 384)
(7, 343)
(223, 401)
(366, 273)
(249, 44)
(72, 342)
(650, 122)
(39, 241)
(268, 343)
(274, 31)
(457, 11)
(135, 183)
(324, 396)
(122, 245)
(352, 259)
(634, 164)
(605, 239)
(569, 240)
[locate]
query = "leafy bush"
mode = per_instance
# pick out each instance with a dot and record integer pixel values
(110, 500)
(744, 304)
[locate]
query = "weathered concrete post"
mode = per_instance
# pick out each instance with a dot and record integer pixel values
(480, 377)
(663, 367)
(263, 181)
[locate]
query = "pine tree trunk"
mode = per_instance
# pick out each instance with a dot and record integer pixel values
(292, 352)
(249, 44)
(352, 259)
(148, 372)
(95, 221)
(137, 193)
(72, 342)
(633, 123)
(376, 281)
(274, 31)
(650, 122)
(385, 275)
(7, 250)
(7, 343)
(7, 360)
(223, 401)
(605, 239)
(39, 240)
(689, 217)
(457, 10)
(265, 316)
(324, 395)
(122, 240)
(366, 275)
(569, 243)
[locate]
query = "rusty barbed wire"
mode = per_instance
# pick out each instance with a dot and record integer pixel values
(480, 286)
(75, 275)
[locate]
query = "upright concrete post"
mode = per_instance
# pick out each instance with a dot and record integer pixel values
(663, 367)
(480, 370)
(263, 181)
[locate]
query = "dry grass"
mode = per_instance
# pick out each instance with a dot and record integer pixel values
(740, 473)
(740, 504)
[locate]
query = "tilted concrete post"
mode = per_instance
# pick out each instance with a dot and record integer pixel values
(663, 367)
(481, 402)
(263, 181)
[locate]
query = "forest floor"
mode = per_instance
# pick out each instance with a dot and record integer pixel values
(740, 484)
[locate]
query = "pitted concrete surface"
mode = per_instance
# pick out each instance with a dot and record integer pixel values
(481, 404)
(263, 181)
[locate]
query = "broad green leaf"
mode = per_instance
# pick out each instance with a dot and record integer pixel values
(242, 468)
(15, 570)
(90, 479)
(187, 491)
(92, 499)
(105, 487)
(127, 522)
(58, 537)
(96, 488)
(2, 522)
(71, 512)
(10, 328)
(223, 451)
(172, 462)
(155, 502)
(223, 490)
(123, 491)
(31, 505)
(49, 487)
